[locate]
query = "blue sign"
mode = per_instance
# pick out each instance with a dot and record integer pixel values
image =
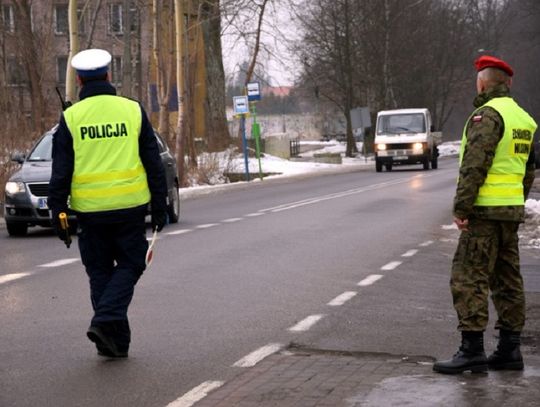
(240, 105)
(253, 91)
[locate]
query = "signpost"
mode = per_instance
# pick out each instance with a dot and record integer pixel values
(241, 107)
(254, 94)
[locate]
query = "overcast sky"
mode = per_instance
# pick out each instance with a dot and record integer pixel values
(279, 29)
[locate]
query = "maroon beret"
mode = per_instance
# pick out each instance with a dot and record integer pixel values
(486, 61)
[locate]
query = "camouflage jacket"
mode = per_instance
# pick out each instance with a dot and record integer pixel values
(483, 136)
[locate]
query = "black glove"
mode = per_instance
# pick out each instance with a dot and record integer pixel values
(159, 219)
(61, 233)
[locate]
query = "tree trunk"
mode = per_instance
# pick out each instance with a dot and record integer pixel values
(217, 131)
(126, 64)
(73, 22)
(180, 81)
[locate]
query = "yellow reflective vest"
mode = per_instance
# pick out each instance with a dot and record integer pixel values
(503, 185)
(108, 173)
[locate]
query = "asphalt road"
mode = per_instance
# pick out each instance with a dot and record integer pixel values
(237, 273)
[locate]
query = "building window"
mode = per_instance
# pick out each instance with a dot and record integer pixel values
(61, 68)
(116, 18)
(16, 76)
(61, 18)
(61, 24)
(116, 70)
(8, 19)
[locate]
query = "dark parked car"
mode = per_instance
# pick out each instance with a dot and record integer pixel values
(26, 191)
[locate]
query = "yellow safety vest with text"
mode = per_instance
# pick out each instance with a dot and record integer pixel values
(108, 172)
(503, 185)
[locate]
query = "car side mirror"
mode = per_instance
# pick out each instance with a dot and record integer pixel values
(18, 157)
(432, 128)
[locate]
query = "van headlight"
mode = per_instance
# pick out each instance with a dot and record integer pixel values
(418, 146)
(13, 188)
(381, 147)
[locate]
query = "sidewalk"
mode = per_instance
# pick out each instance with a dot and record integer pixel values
(303, 377)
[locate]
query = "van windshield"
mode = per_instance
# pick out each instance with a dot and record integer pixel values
(401, 123)
(42, 150)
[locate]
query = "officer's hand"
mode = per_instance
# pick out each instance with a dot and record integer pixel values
(61, 233)
(159, 219)
(462, 224)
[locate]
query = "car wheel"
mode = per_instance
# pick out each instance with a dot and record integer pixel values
(388, 167)
(173, 210)
(17, 229)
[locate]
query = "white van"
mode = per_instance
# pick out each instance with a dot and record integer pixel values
(405, 136)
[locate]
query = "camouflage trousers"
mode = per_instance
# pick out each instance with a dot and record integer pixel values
(487, 259)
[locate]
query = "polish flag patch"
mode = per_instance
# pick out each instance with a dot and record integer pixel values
(477, 118)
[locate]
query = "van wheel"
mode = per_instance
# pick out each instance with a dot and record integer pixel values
(17, 229)
(378, 166)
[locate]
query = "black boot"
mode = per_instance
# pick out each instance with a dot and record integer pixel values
(508, 355)
(470, 356)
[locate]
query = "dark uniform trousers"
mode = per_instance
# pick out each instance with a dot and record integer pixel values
(487, 258)
(114, 257)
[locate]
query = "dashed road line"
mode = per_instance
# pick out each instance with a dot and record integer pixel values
(207, 225)
(391, 266)
(59, 263)
(370, 280)
(196, 394)
(179, 232)
(426, 244)
(232, 220)
(11, 277)
(256, 356)
(306, 323)
(342, 298)
(410, 253)
(255, 214)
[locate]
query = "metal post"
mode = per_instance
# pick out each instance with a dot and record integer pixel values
(244, 144)
(256, 133)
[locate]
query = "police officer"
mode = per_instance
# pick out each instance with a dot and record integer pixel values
(495, 176)
(106, 160)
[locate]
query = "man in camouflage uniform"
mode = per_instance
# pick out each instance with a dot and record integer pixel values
(495, 176)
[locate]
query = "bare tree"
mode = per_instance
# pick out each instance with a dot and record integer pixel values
(164, 57)
(73, 23)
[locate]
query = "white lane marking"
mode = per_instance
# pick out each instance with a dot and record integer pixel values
(58, 263)
(370, 280)
(11, 277)
(449, 227)
(231, 220)
(342, 298)
(196, 394)
(409, 253)
(306, 323)
(206, 226)
(342, 194)
(252, 215)
(256, 356)
(426, 244)
(179, 232)
(391, 266)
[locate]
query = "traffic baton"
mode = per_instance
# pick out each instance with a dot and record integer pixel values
(150, 251)
(65, 228)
